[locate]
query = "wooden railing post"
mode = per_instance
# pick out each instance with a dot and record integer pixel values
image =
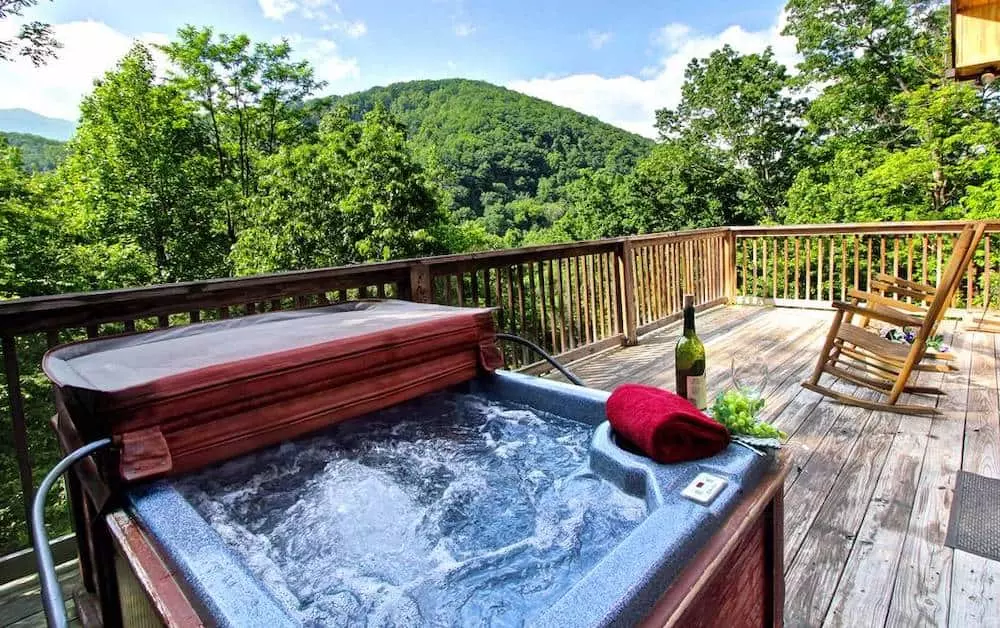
(626, 271)
(19, 425)
(729, 261)
(420, 284)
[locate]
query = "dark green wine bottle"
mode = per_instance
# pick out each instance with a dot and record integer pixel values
(689, 360)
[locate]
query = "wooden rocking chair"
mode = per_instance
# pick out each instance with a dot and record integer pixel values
(857, 355)
(884, 287)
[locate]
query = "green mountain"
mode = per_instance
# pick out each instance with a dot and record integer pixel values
(38, 153)
(24, 121)
(497, 144)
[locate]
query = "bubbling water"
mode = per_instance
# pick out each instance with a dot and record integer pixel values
(447, 510)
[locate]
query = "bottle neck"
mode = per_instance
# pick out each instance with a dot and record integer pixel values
(689, 321)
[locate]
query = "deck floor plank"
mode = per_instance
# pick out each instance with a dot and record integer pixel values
(865, 589)
(975, 580)
(923, 574)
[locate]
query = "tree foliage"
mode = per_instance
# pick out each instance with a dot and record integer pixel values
(139, 176)
(34, 40)
(251, 96)
(354, 195)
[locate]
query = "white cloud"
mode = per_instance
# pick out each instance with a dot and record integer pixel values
(597, 39)
(276, 9)
(464, 29)
(325, 59)
(89, 50)
(355, 29)
(630, 102)
(326, 12)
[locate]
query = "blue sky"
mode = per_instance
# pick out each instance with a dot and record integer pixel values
(617, 60)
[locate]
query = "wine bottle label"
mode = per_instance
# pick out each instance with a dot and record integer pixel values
(697, 391)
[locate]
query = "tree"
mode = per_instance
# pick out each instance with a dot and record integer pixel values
(685, 185)
(251, 96)
(34, 40)
(940, 167)
(139, 178)
(354, 195)
(864, 53)
(738, 106)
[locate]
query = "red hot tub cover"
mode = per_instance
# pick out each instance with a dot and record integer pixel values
(178, 399)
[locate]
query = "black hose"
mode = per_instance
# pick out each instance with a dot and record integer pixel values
(548, 358)
(52, 601)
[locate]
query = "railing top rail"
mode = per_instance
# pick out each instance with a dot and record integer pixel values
(887, 228)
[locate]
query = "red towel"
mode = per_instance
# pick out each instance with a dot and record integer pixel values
(664, 426)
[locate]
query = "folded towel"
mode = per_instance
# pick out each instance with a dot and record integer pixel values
(664, 426)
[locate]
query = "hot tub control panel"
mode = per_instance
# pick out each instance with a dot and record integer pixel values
(704, 488)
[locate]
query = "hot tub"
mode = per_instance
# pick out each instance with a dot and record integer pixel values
(499, 499)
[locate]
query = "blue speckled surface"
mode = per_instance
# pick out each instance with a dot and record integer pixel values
(619, 590)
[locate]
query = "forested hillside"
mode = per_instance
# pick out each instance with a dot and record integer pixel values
(497, 145)
(38, 153)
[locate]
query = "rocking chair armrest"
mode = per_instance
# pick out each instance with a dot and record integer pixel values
(896, 318)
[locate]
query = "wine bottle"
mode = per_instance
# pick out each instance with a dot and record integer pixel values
(689, 360)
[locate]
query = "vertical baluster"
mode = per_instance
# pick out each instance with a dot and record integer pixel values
(460, 285)
(19, 424)
(939, 252)
(969, 282)
(857, 262)
(565, 311)
(843, 267)
(808, 247)
(909, 263)
(774, 268)
(883, 255)
(583, 303)
(195, 316)
(923, 258)
(661, 280)
(784, 267)
(522, 327)
(669, 294)
(868, 266)
(819, 268)
(986, 271)
(645, 286)
(895, 256)
(474, 278)
(754, 266)
(833, 245)
(797, 267)
(537, 307)
(553, 311)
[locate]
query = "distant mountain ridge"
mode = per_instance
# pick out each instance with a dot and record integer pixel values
(25, 121)
(500, 145)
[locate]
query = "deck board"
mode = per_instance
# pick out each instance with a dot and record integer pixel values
(869, 495)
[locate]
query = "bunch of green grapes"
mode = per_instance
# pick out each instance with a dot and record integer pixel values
(737, 410)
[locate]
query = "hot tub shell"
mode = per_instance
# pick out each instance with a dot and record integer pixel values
(169, 565)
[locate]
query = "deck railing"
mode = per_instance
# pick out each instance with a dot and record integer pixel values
(812, 265)
(572, 299)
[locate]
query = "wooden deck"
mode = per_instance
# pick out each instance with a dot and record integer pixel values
(866, 505)
(867, 502)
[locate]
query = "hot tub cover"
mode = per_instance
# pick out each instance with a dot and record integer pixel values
(178, 399)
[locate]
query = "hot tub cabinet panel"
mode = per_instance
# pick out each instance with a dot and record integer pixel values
(685, 564)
